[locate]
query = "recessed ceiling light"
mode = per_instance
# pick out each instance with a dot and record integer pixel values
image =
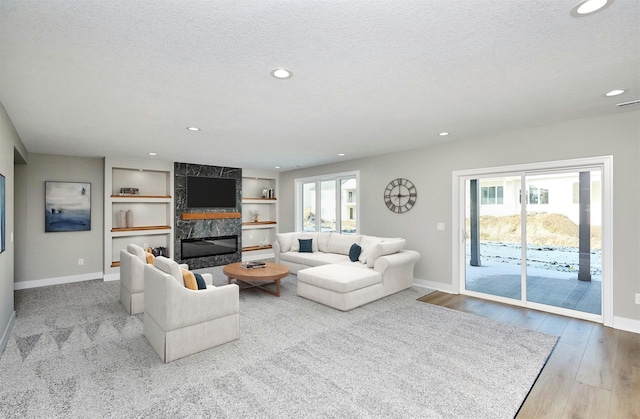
(193, 128)
(153, 154)
(277, 167)
(586, 7)
(615, 92)
(281, 73)
(443, 134)
(341, 154)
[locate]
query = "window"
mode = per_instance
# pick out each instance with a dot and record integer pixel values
(333, 197)
(538, 195)
(309, 207)
(491, 195)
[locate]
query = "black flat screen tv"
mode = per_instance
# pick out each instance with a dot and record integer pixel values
(211, 192)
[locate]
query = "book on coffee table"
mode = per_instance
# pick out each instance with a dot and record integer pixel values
(254, 264)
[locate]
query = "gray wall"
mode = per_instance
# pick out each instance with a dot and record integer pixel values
(41, 255)
(430, 169)
(10, 146)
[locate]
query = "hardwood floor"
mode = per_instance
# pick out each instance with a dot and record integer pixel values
(593, 372)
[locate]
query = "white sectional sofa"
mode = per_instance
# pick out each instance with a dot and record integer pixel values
(328, 275)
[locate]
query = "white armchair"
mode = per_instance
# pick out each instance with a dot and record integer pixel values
(132, 261)
(179, 321)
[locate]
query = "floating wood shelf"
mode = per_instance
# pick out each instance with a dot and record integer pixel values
(262, 199)
(115, 264)
(141, 196)
(142, 228)
(252, 248)
(209, 215)
(258, 223)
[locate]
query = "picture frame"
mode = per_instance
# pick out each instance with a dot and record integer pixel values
(2, 214)
(67, 206)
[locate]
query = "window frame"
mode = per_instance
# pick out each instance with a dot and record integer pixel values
(337, 178)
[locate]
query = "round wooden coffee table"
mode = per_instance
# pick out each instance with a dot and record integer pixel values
(259, 278)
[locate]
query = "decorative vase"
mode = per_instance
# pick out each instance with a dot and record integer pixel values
(255, 218)
(129, 218)
(122, 221)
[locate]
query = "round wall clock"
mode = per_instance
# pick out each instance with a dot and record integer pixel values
(400, 195)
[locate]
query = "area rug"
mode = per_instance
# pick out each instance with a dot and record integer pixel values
(74, 352)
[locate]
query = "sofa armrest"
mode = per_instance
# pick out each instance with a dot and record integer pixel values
(131, 272)
(275, 246)
(403, 261)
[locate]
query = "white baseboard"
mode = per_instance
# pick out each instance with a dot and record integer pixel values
(7, 332)
(438, 286)
(111, 277)
(629, 325)
(36, 283)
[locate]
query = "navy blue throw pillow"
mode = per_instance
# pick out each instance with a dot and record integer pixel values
(354, 252)
(305, 245)
(200, 280)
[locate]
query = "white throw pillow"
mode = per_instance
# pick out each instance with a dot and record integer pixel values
(295, 244)
(384, 248)
(285, 240)
(368, 243)
(323, 241)
(341, 243)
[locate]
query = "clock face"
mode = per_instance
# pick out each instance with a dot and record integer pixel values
(400, 195)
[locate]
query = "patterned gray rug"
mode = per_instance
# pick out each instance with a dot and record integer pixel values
(74, 352)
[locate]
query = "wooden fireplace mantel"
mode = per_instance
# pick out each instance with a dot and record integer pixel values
(209, 215)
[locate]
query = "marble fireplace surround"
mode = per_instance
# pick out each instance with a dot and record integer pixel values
(205, 222)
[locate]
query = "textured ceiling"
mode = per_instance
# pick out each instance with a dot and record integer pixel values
(123, 78)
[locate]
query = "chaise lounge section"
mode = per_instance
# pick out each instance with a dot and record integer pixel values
(345, 271)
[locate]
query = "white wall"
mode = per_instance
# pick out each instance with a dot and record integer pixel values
(11, 148)
(49, 258)
(430, 169)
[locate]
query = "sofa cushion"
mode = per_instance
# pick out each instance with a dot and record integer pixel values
(313, 259)
(341, 243)
(295, 244)
(305, 245)
(339, 278)
(285, 240)
(149, 258)
(189, 280)
(354, 252)
(202, 284)
(384, 248)
(323, 242)
(368, 243)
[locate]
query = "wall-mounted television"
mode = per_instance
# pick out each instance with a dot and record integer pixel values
(211, 192)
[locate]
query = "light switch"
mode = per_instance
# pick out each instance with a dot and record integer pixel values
(440, 226)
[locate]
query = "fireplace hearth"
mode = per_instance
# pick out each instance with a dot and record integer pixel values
(208, 246)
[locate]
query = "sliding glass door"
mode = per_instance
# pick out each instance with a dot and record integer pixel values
(564, 224)
(533, 238)
(493, 237)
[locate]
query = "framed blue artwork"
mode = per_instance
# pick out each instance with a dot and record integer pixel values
(67, 206)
